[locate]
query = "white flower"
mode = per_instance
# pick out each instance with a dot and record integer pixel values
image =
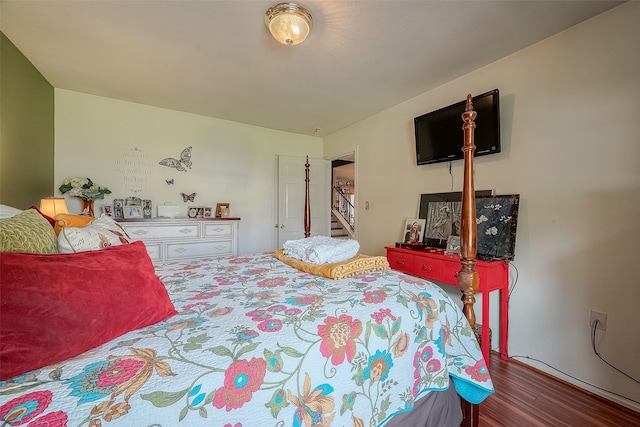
(83, 188)
(492, 231)
(482, 219)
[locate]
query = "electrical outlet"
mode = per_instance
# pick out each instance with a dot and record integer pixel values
(601, 318)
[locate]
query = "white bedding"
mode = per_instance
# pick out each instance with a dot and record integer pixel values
(321, 249)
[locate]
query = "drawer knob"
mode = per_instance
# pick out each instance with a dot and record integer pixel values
(185, 230)
(400, 261)
(427, 267)
(180, 250)
(218, 229)
(139, 232)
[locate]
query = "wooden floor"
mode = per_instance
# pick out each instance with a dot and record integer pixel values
(528, 397)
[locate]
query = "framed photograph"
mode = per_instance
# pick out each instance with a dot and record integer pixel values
(118, 208)
(133, 211)
(207, 212)
(219, 207)
(107, 210)
(497, 222)
(442, 214)
(195, 211)
(146, 209)
(414, 231)
(453, 245)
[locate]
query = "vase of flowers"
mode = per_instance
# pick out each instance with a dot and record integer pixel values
(86, 190)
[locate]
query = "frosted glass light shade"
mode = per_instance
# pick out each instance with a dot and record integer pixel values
(289, 23)
(52, 206)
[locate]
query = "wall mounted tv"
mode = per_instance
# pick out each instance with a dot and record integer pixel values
(439, 134)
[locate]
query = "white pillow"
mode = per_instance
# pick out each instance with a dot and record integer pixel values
(98, 234)
(8, 211)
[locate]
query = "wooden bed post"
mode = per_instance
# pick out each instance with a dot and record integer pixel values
(468, 279)
(307, 208)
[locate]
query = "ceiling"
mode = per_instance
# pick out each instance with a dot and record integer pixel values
(217, 58)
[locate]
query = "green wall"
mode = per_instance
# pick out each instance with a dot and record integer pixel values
(26, 130)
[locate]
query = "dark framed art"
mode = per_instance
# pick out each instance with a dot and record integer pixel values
(497, 222)
(442, 214)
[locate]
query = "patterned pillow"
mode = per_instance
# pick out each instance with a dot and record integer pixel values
(98, 234)
(70, 220)
(27, 232)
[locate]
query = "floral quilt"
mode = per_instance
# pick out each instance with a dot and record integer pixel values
(259, 343)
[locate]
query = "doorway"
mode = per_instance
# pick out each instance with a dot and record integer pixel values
(343, 196)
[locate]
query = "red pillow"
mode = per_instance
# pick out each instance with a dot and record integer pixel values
(47, 217)
(53, 307)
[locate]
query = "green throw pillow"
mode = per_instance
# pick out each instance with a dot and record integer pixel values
(27, 232)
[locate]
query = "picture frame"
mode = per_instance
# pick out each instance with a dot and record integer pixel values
(133, 211)
(147, 211)
(497, 223)
(208, 210)
(414, 231)
(108, 210)
(195, 211)
(453, 245)
(118, 208)
(219, 207)
(442, 214)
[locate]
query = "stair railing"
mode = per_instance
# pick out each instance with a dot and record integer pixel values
(344, 207)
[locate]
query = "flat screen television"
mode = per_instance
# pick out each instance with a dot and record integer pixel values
(439, 134)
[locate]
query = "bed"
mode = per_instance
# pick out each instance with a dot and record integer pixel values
(238, 341)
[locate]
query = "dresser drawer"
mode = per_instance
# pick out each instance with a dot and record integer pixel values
(183, 250)
(218, 230)
(185, 239)
(155, 251)
(428, 268)
(173, 231)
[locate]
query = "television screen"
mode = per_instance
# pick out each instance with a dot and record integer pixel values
(439, 134)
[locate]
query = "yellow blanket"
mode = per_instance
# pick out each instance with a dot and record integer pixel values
(339, 270)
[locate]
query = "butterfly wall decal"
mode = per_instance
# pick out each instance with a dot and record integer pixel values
(188, 197)
(169, 181)
(179, 164)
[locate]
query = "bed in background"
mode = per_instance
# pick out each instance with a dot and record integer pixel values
(252, 341)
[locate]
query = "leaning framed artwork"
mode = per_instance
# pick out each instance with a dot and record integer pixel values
(441, 211)
(497, 222)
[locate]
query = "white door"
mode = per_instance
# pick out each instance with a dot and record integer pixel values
(291, 191)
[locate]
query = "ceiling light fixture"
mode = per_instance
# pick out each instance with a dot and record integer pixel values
(289, 23)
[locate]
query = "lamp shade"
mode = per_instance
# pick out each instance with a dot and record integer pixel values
(52, 206)
(289, 23)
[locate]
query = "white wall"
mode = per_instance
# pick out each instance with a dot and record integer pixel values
(571, 149)
(119, 144)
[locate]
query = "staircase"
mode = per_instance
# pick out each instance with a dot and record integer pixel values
(337, 230)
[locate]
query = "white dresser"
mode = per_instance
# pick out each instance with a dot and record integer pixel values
(185, 239)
